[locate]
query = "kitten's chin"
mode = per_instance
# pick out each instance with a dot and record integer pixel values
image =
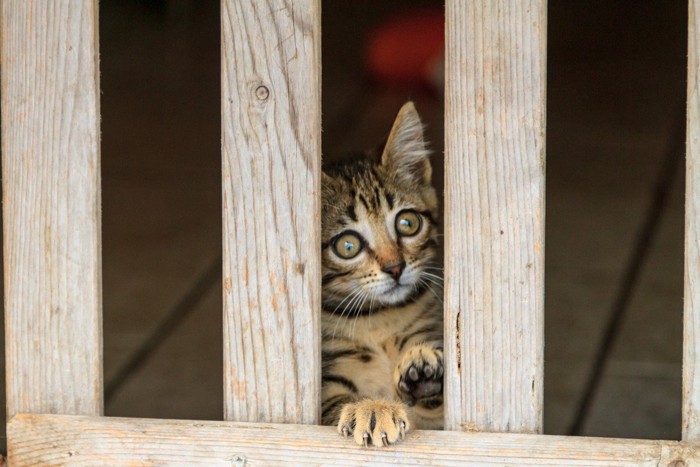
(396, 295)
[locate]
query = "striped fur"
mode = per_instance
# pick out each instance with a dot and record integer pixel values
(382, 309)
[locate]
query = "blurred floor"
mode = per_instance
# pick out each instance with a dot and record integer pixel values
(616, 91)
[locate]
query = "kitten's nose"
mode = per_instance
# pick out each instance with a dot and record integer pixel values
(395, 269)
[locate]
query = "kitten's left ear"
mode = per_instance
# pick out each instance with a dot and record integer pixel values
(406, 151)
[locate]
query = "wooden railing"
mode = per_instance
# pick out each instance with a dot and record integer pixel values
(271, 81)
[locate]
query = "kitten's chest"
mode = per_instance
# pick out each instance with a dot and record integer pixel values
(375, 378)
(383, 329)
(383, 334)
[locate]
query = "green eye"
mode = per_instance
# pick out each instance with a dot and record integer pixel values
(348, 245)
(408, 223)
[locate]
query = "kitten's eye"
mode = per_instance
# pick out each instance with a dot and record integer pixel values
(348, 245)
(408, 223)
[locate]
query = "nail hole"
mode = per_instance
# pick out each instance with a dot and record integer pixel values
(262, 93)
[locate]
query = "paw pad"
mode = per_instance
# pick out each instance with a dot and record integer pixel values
(419, 375)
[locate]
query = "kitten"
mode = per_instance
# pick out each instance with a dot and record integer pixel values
(382, 315)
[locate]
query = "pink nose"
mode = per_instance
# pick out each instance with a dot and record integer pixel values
(395, 269)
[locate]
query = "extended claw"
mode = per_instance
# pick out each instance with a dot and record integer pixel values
(373, 423)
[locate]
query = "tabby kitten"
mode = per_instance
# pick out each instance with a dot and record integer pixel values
(382, 314)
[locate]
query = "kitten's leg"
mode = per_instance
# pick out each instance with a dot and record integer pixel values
(368, 421)
(418, 382)
(331, 406)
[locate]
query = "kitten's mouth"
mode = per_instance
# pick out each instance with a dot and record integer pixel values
(397, 286)
(396, 293)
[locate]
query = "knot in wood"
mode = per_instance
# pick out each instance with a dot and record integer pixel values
(262, 93)
(676, 463)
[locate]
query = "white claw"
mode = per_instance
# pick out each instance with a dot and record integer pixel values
(385, 440)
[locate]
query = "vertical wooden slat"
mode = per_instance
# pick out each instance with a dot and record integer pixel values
(271, 186)
(51, 206)
(691, 325)
(494, 214)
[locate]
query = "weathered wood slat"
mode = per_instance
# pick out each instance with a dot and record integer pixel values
(51, 206)
(494, 214)
(271, 187)
(691, 324)
(75, 440)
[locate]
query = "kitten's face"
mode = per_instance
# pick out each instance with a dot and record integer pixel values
(379, 232)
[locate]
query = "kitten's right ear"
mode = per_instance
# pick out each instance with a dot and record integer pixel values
(406, 152)
(326, 180)
(328, 183)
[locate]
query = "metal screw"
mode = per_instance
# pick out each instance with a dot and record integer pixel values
(262, 93)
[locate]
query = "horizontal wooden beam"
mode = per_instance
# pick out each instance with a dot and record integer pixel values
(82, 440)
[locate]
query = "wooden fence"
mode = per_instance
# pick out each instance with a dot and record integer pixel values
(271, 118)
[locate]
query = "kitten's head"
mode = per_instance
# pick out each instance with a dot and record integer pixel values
(379, 223)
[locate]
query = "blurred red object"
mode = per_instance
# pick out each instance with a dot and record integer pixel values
(408, 49)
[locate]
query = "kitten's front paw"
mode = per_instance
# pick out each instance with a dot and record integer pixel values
(376, 422)
(418, 377)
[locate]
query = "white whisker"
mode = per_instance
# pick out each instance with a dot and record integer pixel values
(432, 291)
(349, 306)
(357, 313)
(439, 285)
(430, 274)
(350, 296)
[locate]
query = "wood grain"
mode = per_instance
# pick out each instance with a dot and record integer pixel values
(271, 113)
(74, 440)
(691, 322)
(51, 206)
(494, 214)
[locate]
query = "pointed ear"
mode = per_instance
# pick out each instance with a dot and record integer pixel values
(406, 151)
(326, 179)
(328, 183)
